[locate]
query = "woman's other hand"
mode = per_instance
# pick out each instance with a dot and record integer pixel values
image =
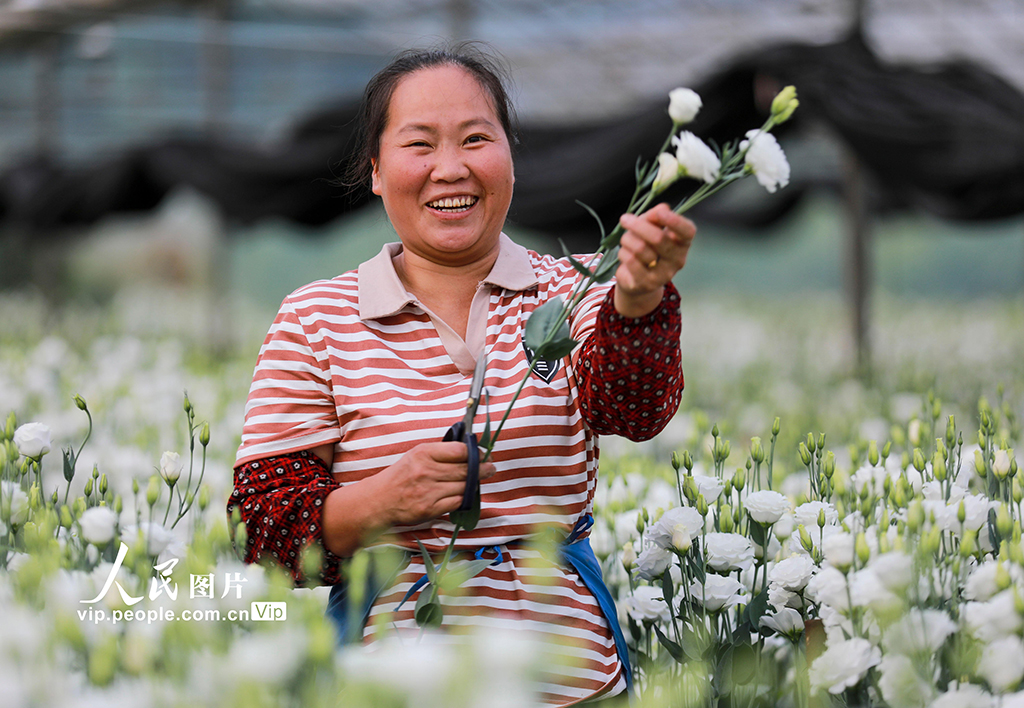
(425, 483)
(653, 249)
(428, 481)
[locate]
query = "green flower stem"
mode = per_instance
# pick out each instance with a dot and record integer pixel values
(199, 483)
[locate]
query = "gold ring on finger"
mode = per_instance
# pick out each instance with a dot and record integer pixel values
(652, 264)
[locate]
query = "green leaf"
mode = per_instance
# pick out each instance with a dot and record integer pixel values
(744, 664)
(469, 518)
(756, 609)
(674, 649)
(428, 611)
(649, 179)
(666, 586)
(545, 321)
(993, 531)
(723, 673)
(428, 562)
(580, 268)
(593, 214)
(634, 628)
(696, 565)
(694, 642)
(609, 264)
(562, 346)
(757, 533)
(459, 575)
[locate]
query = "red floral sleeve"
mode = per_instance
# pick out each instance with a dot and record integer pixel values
(281, 501)
(630, 374)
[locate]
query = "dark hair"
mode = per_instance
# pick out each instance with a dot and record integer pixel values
(482, 64)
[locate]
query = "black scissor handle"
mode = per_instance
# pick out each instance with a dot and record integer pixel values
(459, 433)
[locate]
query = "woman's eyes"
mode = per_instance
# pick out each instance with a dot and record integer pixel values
(471, 140)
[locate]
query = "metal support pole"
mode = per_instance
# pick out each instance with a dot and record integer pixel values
(216, 67)
(858, 259)
(47, 98)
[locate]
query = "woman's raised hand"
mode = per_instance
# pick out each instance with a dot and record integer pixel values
(652, 250)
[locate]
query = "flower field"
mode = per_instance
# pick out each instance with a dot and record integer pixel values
(866, 552)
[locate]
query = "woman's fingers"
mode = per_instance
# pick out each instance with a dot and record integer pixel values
(659, 237)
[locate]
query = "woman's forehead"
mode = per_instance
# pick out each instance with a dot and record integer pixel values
(440, 93)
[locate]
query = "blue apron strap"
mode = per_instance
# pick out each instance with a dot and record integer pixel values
(580, 556)
(337, 607)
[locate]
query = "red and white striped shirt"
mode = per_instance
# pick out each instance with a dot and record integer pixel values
(357, 361)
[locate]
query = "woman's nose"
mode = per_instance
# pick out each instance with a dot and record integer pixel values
(450, 166)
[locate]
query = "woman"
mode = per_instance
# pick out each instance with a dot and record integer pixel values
(361, 375)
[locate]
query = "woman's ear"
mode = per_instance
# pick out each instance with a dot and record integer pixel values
(375, 177)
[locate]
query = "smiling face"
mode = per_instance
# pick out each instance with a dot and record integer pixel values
(444, 170)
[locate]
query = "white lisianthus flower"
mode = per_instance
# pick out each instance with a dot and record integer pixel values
(901, 685)
(895, 570)
(156, 537)
(647, 603)
(98, 525)
(982, 584)
(696, 160)
(965, 695)
(170, 466)
(792, 573)
(727, 552)
(683, 105)
(15, 500)
(718, 592)
(868, 591)
(668, 171)
(780, 597)
(685, 518)
(625, 526)
(1002, 664)
(843, 665)
(652, 562)
(765, 158)
(709, 487)
(992, 620)
(766, 507)
(976, 509)
(32, 440)
(919, 631)
(784, 527)
(828, 587)
(601, 540)
(838, 550)
(807, 514)
(785, 621)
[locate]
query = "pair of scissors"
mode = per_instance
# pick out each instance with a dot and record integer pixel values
(462, 431)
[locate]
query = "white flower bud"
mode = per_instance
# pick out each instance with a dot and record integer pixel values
(681, 540)
(668, 172)
(170, 467)
(1001, 464)
(683, 105)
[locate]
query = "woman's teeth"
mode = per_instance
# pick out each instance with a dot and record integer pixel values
(453, 204)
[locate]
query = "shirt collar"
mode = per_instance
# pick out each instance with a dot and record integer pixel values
(381, 292)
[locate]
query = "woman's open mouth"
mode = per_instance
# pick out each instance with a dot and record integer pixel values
(453, 205)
